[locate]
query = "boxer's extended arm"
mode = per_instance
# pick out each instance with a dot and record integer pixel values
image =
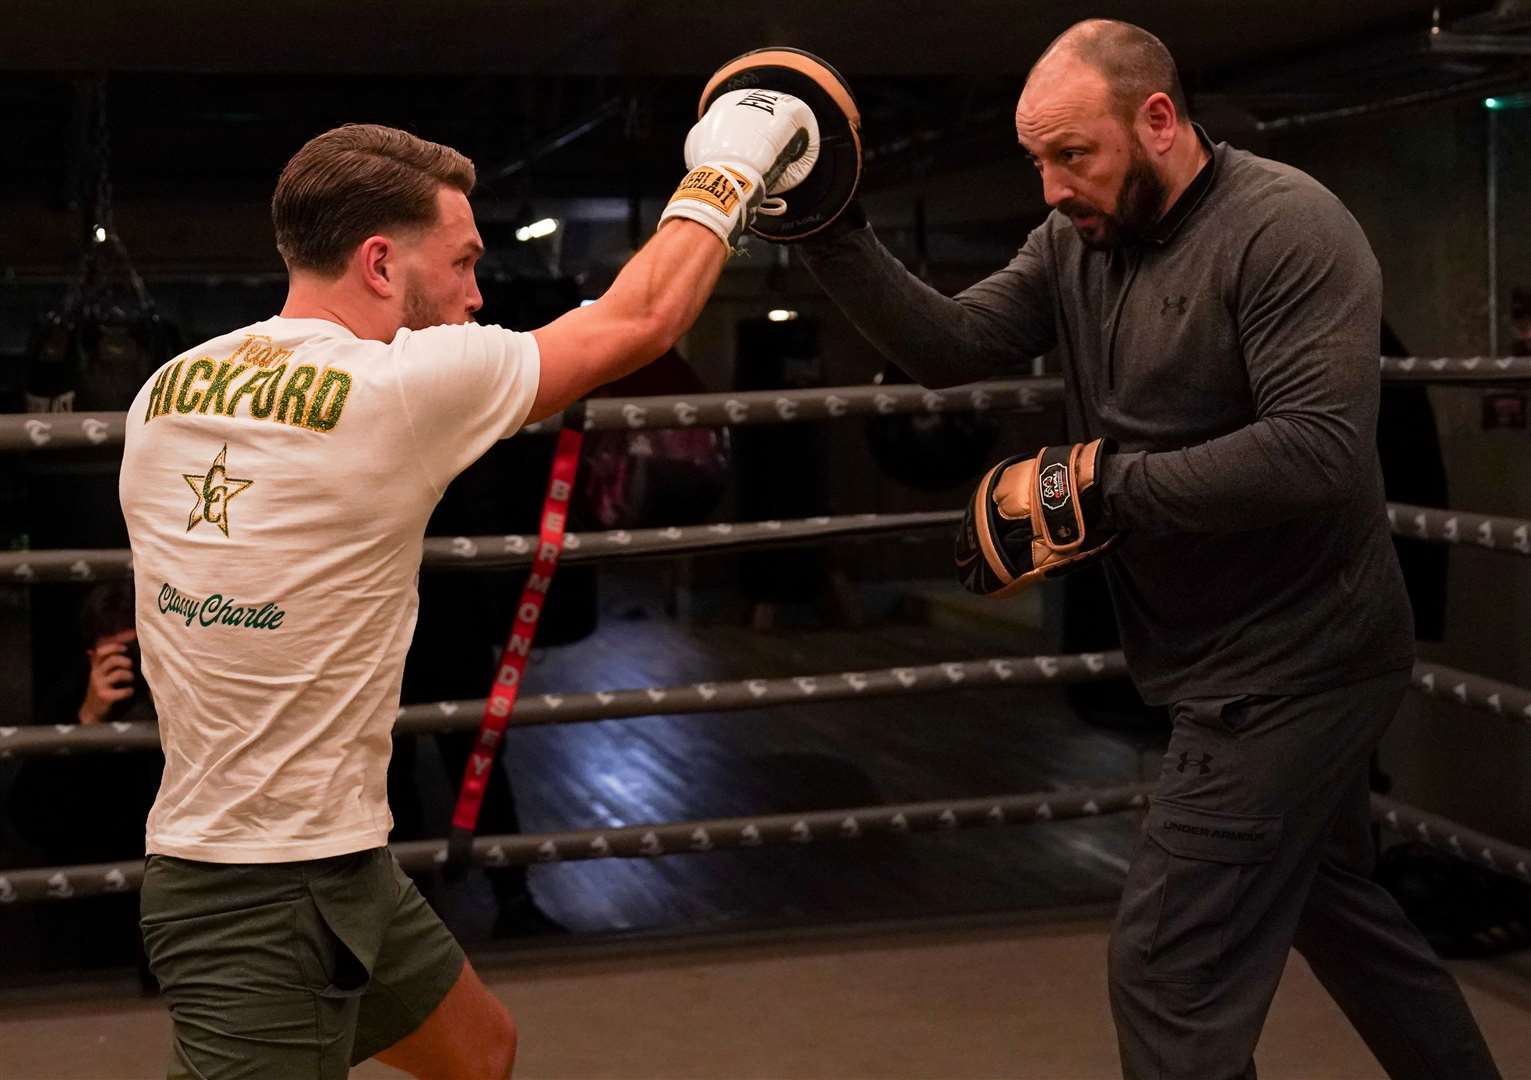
(1309, 309)
(746, 142)
(991, 329)
(653, 301)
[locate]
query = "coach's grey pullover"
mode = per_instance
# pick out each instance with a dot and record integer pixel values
(1233, 356)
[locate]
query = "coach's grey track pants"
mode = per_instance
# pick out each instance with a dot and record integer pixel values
(1258, 839)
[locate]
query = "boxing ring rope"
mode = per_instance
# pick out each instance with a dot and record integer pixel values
(1510, 535)
(696, 837)
(1448, 836)
(72, 431)
(510, 552)
(1469, 691)
(1456, 370)
(706, 697)
(1434, 680)
(653, 841)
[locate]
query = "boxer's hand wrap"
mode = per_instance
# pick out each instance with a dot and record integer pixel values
(1033, 517)
(748, 145)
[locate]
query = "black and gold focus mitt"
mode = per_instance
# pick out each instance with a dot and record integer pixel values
(1034, 517)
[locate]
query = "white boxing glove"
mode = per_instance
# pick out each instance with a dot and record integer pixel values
(749, 144)
(758, 129)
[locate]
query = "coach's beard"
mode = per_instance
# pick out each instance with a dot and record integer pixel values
(1139, 205)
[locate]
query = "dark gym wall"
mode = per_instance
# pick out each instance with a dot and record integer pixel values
(1417, 182)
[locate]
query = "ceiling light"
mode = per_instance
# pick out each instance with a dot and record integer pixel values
(537, 230)
(781, 315)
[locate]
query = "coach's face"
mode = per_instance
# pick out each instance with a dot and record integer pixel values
(1093, 164)
(438, 263)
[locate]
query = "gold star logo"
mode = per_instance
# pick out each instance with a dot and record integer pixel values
(214, 490)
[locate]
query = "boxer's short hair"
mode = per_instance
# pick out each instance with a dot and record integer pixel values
(355, 181)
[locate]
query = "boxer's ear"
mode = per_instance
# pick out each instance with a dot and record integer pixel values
(377, 261)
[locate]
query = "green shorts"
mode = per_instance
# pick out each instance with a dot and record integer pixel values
(292, 970)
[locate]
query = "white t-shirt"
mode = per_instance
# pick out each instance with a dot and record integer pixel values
(276, 483)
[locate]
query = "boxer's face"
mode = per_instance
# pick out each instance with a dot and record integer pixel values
(1094, 166)
(438, 263)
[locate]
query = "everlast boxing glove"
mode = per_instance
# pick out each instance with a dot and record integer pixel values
(824, 193)
(1033, 517)
(750, 144)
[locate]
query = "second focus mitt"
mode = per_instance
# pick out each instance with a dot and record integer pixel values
(1034, 517)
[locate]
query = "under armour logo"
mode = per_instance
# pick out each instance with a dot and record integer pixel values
(1205, 764)
(1177, 303)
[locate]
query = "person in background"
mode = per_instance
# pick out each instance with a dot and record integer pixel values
(91, 808)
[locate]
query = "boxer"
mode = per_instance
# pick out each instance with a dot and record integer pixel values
(276, 483)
